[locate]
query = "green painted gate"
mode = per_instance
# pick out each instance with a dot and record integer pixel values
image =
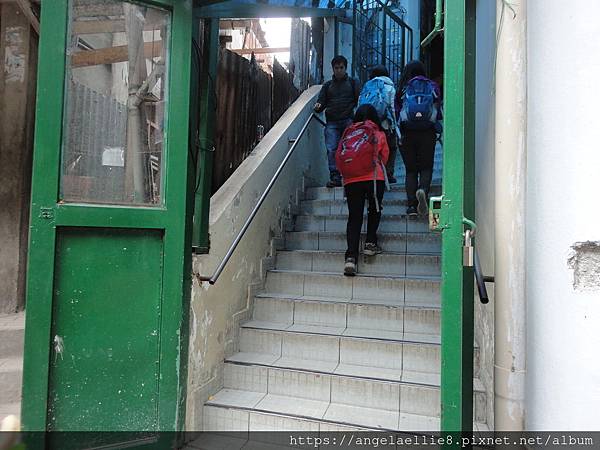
(109, 262)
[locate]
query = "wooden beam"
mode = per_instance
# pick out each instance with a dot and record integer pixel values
(106, 26)
(33, 20)
(111, 55)
(260, 51)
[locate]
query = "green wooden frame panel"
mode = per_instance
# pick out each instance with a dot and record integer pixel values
(174, 219)
(458, 202)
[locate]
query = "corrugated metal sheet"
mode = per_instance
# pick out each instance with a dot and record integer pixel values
(247, 98)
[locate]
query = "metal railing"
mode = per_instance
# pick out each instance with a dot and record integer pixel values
(481, 279)
(380, 37)
(212, 279)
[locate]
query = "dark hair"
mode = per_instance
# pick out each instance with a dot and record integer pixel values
(379, 71)
(413, 69)
(339, 59)
(367, 112)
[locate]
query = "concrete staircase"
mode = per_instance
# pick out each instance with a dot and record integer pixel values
(12, 330)
(324, 352)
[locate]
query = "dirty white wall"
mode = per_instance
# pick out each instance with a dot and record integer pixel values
(563, 303)
(217, 311)
(484, 189)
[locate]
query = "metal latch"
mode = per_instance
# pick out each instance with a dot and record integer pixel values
(435, 208)
(468, 250)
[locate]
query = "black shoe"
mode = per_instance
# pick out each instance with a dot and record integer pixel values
(371, 249)
(335, 180)
(422, 198)
(392, 179)
(350, 267)
(411, 211)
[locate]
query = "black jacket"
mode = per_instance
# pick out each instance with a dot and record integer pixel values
(338, 98)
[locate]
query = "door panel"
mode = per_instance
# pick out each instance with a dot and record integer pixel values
(104, 365)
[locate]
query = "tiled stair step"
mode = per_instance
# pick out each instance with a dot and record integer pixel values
(418, 361)
(400, 323)
(318, 395)
(390, 223)
(415, 291)
(12, 331)
(397, 192)
(229, 419)
(390, 242)
(11, 374)
(340, 207)
(383, 264)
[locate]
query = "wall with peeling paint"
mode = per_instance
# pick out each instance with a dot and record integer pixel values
(217, 311)
(563, 160)
(484, 190)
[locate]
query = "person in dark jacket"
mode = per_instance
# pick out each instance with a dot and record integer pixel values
(418, 145)
(338, 97)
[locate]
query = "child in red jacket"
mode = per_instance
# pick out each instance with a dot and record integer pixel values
(364, 181)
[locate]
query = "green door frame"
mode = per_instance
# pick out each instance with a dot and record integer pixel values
(458, 203)
(172, 219)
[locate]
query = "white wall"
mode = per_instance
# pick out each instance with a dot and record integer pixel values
(484, 188)
(563, 163)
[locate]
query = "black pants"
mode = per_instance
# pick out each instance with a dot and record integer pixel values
(417, 150)
(357, 193)
(392, 142)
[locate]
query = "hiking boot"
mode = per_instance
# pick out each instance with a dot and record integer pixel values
(372, 249)
(411, 211)
(350, 267)
(335, 180)
(422, 198)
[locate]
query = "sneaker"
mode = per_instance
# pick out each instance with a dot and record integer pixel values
(422, 198)
(350, 267)
(411, 211)
(372, 249)
(334, 181)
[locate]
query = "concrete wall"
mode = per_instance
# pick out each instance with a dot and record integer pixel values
(18, 55)
(563, 236)
(217, 311)
(484, 189)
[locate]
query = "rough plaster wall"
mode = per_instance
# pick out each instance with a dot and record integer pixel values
(484, 190)
(18, 55)
(563, 338)
(217, 311)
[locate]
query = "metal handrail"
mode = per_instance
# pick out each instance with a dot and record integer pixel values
(481, 279)
(213, 278)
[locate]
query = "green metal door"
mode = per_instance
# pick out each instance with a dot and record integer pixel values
(457, 212)
(109, 267)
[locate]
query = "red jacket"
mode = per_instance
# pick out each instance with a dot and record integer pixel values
(383, 151)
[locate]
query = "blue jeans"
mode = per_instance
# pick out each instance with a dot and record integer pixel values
(333, 134)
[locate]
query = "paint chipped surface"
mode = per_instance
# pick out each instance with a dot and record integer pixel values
(14, 58)
(585, 263)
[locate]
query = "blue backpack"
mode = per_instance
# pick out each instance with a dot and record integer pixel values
(373, 93)
(419, 110)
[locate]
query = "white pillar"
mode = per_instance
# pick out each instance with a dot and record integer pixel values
(563, 176)
(510, 177)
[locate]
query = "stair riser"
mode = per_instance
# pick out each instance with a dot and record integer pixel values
(392, 290)
(413, 243)
(374, 317)
(382, 264)
(11, 343)
(389, 224)
(10, 387)
(322, 193)
(391, 396)
(336, 207)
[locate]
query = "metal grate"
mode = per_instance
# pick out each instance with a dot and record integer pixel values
(380, 37)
